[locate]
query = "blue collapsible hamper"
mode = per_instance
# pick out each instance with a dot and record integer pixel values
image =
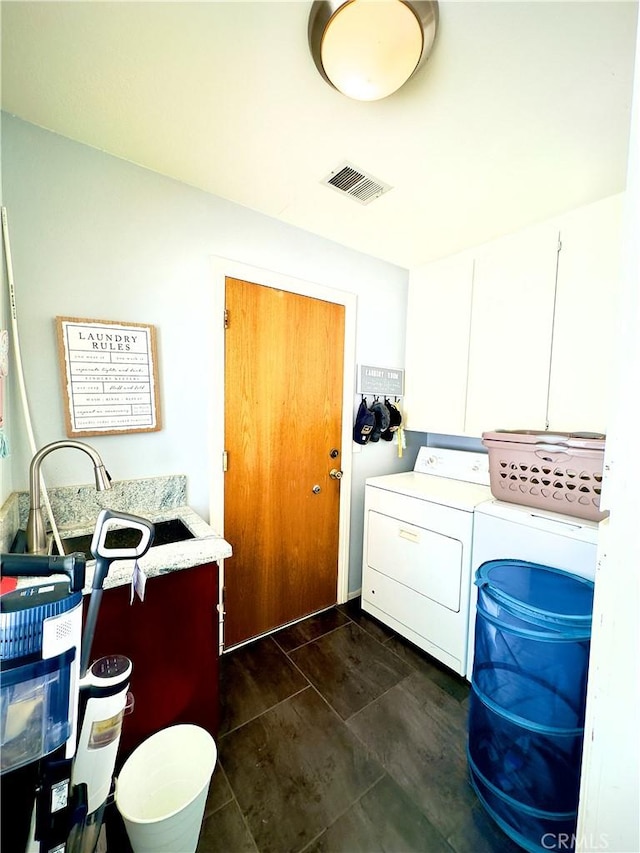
(527, 703)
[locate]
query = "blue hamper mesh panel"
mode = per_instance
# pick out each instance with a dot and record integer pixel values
(526, 713)
(540, 769)
(541, 680)
(527, 827)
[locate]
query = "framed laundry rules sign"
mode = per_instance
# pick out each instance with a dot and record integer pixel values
(109, 375)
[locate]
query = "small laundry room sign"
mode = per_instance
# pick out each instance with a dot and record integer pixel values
(388, 381)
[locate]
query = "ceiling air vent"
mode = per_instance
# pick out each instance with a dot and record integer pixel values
(355, 183)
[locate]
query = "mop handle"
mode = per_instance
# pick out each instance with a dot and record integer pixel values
(104, 557)
(90, 629)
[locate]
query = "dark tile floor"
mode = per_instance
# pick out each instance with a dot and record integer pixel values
(339, 737)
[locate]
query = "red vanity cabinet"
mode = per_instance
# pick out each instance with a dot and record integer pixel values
(172, 639)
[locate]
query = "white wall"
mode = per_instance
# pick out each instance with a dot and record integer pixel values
(5, 464)
(610, 791)
(93, 236)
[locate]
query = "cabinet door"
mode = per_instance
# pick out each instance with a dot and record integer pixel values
(511, 329)
(172, 640)
(585, 317)
(437, 347)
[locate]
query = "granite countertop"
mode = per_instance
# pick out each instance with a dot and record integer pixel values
(207, 546)
(155, 499)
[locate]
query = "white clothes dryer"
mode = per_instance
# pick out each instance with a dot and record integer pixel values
(504, 531)
(418, 529)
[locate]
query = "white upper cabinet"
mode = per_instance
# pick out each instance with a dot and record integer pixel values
(585, 317)
(518, 333)
(511, 330)
(438, 317)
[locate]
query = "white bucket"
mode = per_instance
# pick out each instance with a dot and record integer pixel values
(162, 788)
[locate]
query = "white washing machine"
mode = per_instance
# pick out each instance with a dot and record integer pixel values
(508, 531)
(418, 529)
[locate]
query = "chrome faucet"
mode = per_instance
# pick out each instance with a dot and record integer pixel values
(36, 532)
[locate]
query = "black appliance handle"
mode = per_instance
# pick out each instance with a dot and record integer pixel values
(44, 565)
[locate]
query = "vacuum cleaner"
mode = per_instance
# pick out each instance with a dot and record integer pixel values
(60, 718)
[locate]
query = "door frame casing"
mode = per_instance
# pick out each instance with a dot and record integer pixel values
(224, 268)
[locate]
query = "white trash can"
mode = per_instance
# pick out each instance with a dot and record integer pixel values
(162, 788)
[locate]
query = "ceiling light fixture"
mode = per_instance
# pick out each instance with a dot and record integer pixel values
(368, 49)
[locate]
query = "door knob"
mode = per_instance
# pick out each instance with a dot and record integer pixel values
(335, 474)
(316, 490)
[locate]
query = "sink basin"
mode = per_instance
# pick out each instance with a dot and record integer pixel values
(166, 533)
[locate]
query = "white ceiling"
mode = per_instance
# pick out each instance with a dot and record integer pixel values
(521, 112)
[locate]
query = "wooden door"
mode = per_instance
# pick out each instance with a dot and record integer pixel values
(283, 419)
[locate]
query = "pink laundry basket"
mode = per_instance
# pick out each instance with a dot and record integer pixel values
(560, 472)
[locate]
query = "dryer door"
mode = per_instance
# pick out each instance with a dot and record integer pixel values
(427, 562)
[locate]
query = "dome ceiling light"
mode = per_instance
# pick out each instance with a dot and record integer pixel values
(368, 49)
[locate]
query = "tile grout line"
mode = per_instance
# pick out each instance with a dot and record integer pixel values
(266, 710)
(313, 640)
(312, 685)
(309, 684)
(387, 772)
(372, 637)
(233, 799)
(343, 812)
(413, 669)
(368, 751)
